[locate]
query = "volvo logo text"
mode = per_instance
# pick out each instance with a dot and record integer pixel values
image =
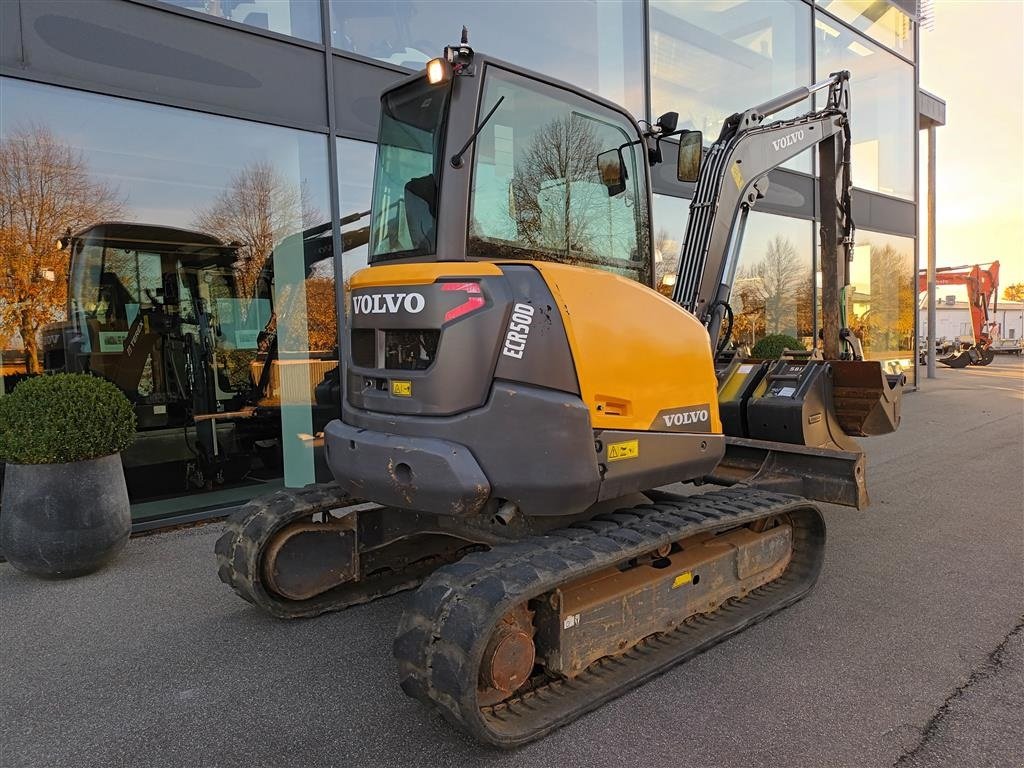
(385, 303)
(682, 418)
(788, 140)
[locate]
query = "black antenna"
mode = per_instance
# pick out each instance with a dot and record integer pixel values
(465, 35)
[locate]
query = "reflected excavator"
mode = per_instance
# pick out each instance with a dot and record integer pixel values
(162, 313)
(517, 393)
(982, 284)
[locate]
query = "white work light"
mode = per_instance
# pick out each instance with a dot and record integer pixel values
(438, 71)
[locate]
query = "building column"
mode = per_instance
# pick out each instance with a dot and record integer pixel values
(931, 251)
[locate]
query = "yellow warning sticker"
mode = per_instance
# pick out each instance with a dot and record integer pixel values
(737, 175)
(401, 388)
(682, 579)
(630, 449)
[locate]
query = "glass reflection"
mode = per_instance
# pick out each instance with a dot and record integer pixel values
(710, 59)
(883, 115)
(538, 191)
(883, 22)
(773, 290)
(187, 259)
(355, 190)
(883, 297)
(298, 18)
(602, 52)
(669, 226)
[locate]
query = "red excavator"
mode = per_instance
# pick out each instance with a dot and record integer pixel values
(982, 283)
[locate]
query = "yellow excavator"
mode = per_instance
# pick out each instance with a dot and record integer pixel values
(517, 393)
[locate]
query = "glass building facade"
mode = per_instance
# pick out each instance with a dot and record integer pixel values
(179, 175)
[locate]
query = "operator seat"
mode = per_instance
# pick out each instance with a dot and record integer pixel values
(421, 211)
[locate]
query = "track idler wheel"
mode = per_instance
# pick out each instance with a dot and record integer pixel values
(306, 559)
(307, 551)
(508, 659)
(273, 547)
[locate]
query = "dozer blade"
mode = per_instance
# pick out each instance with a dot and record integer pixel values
(867, 400)
(513, 643)
(819, 474)
(957, 359)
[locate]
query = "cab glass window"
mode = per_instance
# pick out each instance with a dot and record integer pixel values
(543, 185)
(404, 219)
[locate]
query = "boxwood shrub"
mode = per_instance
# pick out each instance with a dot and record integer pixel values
(64, 417)
(773, 345)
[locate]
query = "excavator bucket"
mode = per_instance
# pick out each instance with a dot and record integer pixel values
(867, 400)
(788, 424)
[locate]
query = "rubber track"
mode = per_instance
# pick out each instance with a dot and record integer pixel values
(443, 633)
(247, 531)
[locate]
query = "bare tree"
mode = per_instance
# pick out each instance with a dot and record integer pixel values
(45, 190)
(257, 210)
(804, 297)
(747, 301)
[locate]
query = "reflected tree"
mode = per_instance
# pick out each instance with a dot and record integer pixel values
(46, 189)
(257, 210)
(889, 323)
(552, 206)
(774, 295)
(779, 272)
(323, 314)
(747, 301)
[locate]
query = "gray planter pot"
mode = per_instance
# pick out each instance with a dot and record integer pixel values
(63, 520)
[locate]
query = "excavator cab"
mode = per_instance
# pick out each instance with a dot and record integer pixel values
(509, 293)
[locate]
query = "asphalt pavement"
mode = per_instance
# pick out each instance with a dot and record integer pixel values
(910, 651)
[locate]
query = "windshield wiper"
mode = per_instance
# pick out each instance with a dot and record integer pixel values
(456, 160)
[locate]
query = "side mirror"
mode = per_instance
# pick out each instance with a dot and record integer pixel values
(691, 146)
(668, 122)
(612, 169)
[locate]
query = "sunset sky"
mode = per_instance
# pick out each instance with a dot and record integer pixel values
(973, 59)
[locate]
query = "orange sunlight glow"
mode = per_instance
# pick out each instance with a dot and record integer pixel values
(973, 60)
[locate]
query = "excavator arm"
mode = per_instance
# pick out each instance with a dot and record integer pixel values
(734, 178)
(769, 406)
